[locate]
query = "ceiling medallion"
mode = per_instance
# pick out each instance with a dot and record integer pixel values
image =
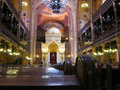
(56, 5)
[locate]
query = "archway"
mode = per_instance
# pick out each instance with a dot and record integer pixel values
(72, 30)
(53, 48)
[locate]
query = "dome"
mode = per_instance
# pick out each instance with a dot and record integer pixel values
(53, 30)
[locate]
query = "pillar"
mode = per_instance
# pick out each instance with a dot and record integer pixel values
(12, 20)
(93, 50)
(103, 56)
(118, 49)
(91, 20)
(1, 10)
(10, 47)
(19, 12)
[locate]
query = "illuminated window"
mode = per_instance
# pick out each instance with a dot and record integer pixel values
(24, 4)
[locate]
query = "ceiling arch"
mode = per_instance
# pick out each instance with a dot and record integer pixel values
(48, 23)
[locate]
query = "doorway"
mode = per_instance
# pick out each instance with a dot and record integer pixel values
(53, 58)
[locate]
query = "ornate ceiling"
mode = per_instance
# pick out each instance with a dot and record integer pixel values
(45, 14)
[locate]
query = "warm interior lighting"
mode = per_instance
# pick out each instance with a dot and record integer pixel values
(61, 50)
(37, 55)
(9, 50)
(1, 49)
(4, 51)
(66, 38)
(84, 5)
(45, 50)
(10, 53)
(98, 54)
(17, 54)
(68, 55)
(110, 50)
(24, 4)
(12, 71)
(28, 58)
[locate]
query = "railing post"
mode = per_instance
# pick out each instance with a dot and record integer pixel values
(1, 10)
(117, 38)
(91, 21)
(103, 56)
(19, 12)
(12, 17)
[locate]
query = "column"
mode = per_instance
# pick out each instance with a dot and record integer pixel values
(117, 38)
(118, 49)
(91, 21)
(93, 51)
(85, 36)
(115, 12)
(1, 10)
(12, 17)
(10, 47)
(19, 12)
(103, 56)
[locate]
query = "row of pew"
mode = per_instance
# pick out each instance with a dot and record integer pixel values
(104, 77)
(65, 66)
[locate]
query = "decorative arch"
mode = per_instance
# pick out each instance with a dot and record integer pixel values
(72, 27)
(43, 5)
(53, 47)
(55, 20)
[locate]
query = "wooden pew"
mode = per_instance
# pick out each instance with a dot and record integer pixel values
(102, 76)
(86, 72)
(68, 67)
(73, 67)
(113, 76)
(61, 67)
(38, 76)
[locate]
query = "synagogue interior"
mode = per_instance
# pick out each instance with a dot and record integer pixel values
(66, 44)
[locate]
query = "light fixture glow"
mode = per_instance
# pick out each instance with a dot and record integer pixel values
(37, 55)
(9, 50)
(84, 5)
(10, 53)
(24, 4)
(1, 50)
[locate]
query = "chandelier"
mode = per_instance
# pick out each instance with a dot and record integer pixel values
(56, 5)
